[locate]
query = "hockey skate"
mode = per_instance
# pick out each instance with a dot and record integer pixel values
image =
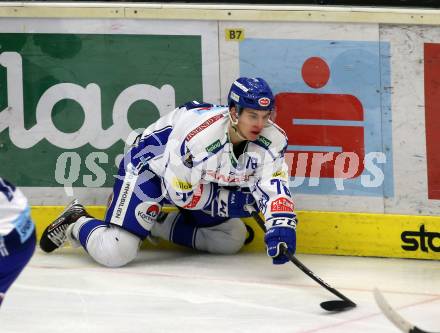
(54, 236)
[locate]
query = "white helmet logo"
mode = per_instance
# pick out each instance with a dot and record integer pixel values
(264, 101)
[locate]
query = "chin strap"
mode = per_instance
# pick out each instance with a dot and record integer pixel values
(234, 127)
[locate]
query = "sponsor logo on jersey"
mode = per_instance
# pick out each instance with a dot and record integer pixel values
(196, 197)
(123, 197)
(146, 214)
(203, 126)
(153, 211)
(279, 174)
(264, 101)
(421, 239)
(213, 147)
(264, 141)
(179, 184)
(227, 178)
(281, 205)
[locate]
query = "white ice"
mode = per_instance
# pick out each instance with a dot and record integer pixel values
(184, 291)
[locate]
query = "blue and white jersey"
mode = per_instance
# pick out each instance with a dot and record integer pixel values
(14, 211)
(191, 150)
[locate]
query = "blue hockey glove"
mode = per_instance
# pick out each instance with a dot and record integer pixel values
(232, 203)
(285, 233)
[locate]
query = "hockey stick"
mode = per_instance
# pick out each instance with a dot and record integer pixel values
(337, 305)
(404, 325)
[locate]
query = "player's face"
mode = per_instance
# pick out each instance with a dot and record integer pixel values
(251, 122)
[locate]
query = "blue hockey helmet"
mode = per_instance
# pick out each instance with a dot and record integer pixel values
(253, 93)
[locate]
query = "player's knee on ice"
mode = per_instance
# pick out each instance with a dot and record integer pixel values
(225, 238)
(113, 246)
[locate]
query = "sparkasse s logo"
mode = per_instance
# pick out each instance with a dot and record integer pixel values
(422, 239)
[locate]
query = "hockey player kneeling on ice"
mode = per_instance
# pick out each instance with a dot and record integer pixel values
(17, 235)
(216, 163)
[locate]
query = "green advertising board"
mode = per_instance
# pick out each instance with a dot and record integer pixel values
(69, 101)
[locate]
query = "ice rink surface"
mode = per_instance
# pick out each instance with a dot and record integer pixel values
(184, 291)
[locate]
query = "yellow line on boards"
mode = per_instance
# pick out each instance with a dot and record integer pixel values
(338, 233)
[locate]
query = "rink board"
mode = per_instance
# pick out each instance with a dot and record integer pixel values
(357, 234)
(383, 61)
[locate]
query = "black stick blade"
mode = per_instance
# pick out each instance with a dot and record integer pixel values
(337, 306)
